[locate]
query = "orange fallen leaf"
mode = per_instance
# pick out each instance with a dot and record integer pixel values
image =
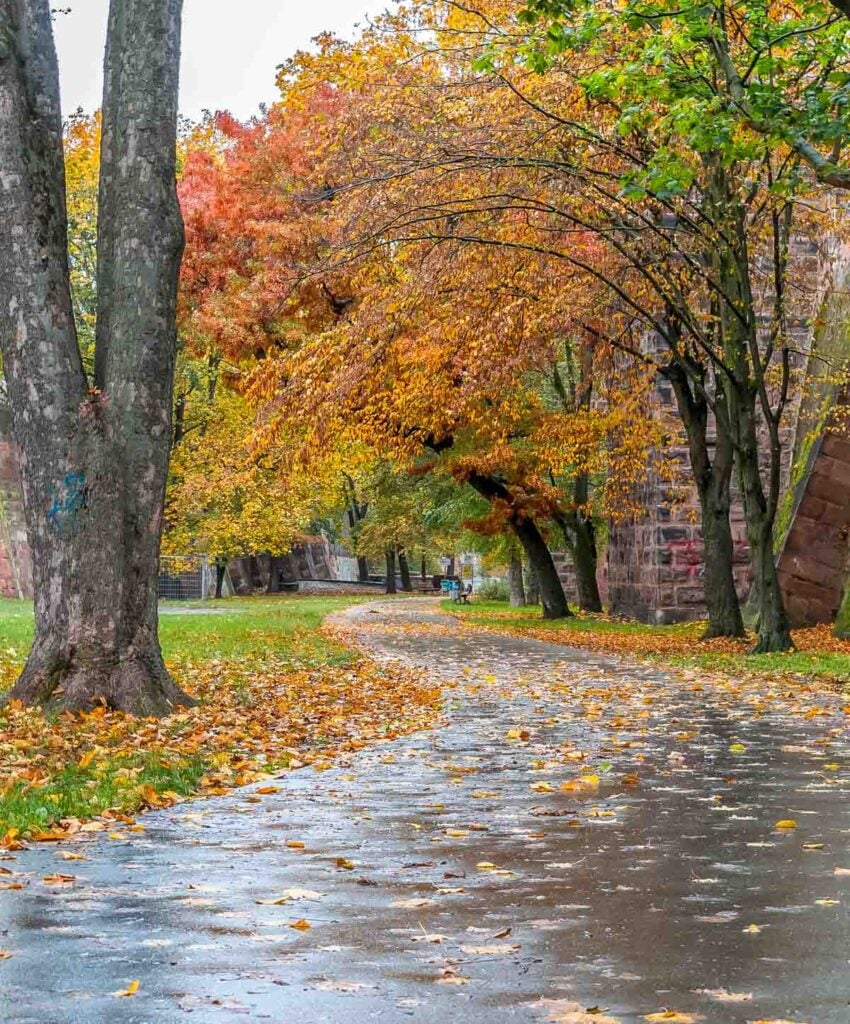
(130, 990)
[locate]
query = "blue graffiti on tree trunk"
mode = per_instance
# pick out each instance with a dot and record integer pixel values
(69, 498)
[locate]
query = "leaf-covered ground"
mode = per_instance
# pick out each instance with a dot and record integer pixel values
(274, 693)
(819, 654)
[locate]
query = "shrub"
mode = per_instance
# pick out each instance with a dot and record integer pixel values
(492, 590)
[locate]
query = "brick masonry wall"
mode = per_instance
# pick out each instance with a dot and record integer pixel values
(813, 560)
(655, 559)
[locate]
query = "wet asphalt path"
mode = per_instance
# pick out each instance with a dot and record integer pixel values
(468, 873)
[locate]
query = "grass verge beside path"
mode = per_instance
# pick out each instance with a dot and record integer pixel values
(819, 654)
(275, 692)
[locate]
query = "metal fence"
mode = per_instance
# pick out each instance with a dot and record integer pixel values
(185, 578)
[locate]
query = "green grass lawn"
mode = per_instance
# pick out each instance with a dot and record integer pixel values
(819, 654)
(246, 657)
(276, 628)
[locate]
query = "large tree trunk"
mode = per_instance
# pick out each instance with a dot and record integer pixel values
(774, 633)
(580, 537)
(517, 588)
(391, 587)
(404, 571)
(585, 561)
(721, 597)
(93, 461)
(713, 478)
(552, 594)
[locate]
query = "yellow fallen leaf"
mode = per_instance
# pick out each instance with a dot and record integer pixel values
(294, 844)
(301, 925)
(542, 787)
(786, 823)
(673, 1017)
(130, 990)
(5, 954)
(267, 790)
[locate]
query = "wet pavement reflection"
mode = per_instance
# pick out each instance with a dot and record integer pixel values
(585, 840)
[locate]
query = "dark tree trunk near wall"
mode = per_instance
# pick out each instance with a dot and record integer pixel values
(93, 461)
(580, 538)
(552, 595)
(713, 478)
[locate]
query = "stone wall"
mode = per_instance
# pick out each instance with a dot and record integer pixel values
(813, 560)
(655, 559)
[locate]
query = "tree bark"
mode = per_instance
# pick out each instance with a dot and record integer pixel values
(713, 478)
(220, 572)
(517, 589)
(274, 566)
(585, 561)
(93, 461)
(552, 594)
(391, 587)
(774, 633)
(404, 571)
(532, 587)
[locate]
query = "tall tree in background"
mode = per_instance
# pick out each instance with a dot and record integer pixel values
(93, 458)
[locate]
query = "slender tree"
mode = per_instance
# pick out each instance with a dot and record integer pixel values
(94, 456)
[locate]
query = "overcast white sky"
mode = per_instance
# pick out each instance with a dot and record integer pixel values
(230, 48)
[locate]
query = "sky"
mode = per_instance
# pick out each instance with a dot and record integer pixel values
(230, 48)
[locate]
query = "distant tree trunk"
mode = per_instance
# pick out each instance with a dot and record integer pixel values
(356, 514)
(179, 419)
(515, 583)
(539, 556)
(423, 567)
(404, 570)
(532, 587)
(274, 567)
(391, 587)
(93, 461)
(220, 573)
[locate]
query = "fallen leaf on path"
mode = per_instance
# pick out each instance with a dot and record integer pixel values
(130, 990)
(501, 950)
(565, 1011)
(341, 986)
(673, 1017)
(723, 995)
